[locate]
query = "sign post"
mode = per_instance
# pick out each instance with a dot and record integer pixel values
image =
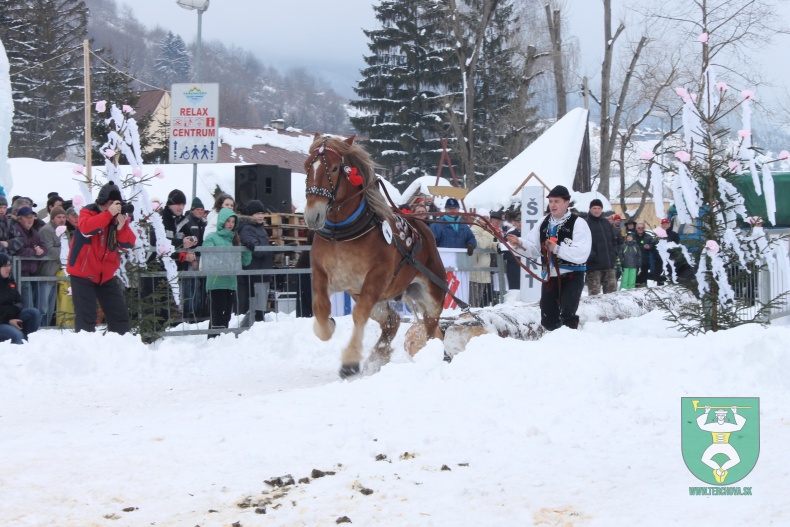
(194, 125)
(532, 211)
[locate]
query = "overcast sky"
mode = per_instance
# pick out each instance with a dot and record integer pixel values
(326, 37)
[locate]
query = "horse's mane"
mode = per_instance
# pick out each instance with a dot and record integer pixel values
(356, 156)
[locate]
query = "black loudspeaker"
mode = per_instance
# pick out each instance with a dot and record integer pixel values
(270, 184)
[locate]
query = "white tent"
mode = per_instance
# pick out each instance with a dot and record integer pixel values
(553, 158)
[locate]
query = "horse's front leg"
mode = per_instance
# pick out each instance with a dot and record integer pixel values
(368, 297)
(323, 326)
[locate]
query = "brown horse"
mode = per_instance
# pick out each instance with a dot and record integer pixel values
(362, 247)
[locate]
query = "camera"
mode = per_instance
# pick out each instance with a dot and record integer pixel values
(127, 207)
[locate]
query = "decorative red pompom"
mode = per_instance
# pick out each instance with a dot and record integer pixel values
(354, 177)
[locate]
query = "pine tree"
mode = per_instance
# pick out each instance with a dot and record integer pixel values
(43, 39)
(173, 60)
(403, 87)
(496, 93)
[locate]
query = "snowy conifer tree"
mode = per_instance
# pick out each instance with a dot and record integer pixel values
(173, 60)
(732, 246)
(43, 39)
(402, 89)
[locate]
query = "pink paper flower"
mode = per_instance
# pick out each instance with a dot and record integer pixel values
(159, 173)
(101, 106)
(743, 134)
(646, 156)
(109, 152)
(682, 93)
(163, 250)
(77, 200)
(712, 246)
(747, 94)
(722, 86)
(78, 170)
(155, 205)
(733, 165)
(693, 96)
(703, 38)
(661, 233)
(784, 154)
(127, 109)
(755, 220)
(60, 230)
(683, 156)
(137, 172)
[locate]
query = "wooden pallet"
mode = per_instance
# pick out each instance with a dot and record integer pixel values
(286, 229)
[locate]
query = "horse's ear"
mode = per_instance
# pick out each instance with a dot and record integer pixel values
(316, 136)
(350, 140)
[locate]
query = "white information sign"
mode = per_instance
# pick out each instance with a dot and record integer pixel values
(194, 123)
(532, 211)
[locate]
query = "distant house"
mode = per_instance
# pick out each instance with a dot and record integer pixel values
(633, 197)
(156, 105)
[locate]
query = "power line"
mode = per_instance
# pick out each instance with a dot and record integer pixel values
(48, 60)
(126, 74)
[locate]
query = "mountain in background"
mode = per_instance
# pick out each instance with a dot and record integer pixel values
(253, 94)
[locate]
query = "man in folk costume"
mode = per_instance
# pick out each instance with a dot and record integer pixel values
(563, 241)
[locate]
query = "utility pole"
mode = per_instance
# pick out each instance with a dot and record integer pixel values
(586, 94)
(86, 54)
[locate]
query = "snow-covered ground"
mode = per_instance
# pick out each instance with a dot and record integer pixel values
(580, 428)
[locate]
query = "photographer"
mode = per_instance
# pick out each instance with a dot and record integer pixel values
(93, 260)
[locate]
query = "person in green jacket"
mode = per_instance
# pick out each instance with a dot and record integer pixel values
(222, 289)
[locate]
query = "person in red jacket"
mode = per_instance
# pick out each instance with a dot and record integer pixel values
(94, 259)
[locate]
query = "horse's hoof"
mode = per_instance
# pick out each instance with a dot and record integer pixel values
(349, 371)
(447, 358)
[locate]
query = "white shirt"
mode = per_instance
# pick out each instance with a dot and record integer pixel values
(575, 252)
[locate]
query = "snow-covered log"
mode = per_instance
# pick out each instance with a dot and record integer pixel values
(522, 320)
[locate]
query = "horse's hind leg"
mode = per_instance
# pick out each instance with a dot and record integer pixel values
(389, 320)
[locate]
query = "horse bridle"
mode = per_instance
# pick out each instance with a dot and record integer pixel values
(323, 192)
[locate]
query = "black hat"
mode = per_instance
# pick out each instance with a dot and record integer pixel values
(254, 206)
(629, 221)
(497, 215)
(109, 192)
(560, 192)
(3, 201)
(4, 259)
(52, 195)
(196, 204)
(176, 197)
(596, 203)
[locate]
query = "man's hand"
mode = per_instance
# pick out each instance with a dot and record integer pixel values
(189, 242)
(4, 243)
(470, 249)
(707, 410)
(735, 410)
(115, 208)
(121, 219)
(190, 257)
(513, 240)
(38, 250)
(551, 246)
(16, 322)
(647, 246)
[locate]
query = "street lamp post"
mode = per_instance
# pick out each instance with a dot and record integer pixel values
(200, 6)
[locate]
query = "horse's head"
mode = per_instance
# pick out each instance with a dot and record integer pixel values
(331, 178)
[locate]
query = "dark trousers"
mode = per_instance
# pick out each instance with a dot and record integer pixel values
(221, 303)
(85, 293)
(559, 300)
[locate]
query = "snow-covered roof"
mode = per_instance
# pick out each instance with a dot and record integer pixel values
(421, 185)
(553, 157)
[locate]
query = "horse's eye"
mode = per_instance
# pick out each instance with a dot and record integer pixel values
(334, 169)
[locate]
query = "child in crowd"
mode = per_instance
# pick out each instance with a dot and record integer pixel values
(631, 260)
(222, 289)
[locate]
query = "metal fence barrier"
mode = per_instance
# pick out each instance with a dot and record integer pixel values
(281, 290)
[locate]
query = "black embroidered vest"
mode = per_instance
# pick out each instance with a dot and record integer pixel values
(564, 232)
